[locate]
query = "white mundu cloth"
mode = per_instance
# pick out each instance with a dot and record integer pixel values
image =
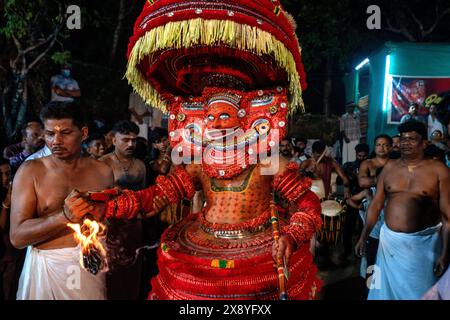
(57, 275)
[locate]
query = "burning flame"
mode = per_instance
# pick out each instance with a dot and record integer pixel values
(88, 235)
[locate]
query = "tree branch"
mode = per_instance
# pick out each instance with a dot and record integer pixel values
(39, 57)
(17, 43)
(437, 21)
(31, 48)
(403, 31)
(413, 16)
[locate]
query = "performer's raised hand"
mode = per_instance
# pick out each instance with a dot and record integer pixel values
(283, 248)
(76, 206)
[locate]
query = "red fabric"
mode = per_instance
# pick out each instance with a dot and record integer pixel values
(295, 189)
(187, 272)
(258, 14)
(307, 220)
(175, 187)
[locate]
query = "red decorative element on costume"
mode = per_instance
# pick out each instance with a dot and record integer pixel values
(248, 225)
(307, 221)
(295, 189)
(126, 205)
(258, 14)
(256, 105)
(189, 268)
(290, 184)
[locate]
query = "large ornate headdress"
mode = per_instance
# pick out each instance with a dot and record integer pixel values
(184, 53)
(179, 47)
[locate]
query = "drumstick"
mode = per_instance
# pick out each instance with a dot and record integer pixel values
(321, 156)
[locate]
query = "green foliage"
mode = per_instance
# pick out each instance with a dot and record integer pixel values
(61, 57)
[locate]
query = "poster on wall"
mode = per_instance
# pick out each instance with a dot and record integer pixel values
(423, 91)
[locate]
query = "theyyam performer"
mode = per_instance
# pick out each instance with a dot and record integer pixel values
(228, 73)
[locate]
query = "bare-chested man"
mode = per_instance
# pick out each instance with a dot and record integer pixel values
(129, 172)
(123, 281)
(320, 166)
(418, 207)
(41, 210)
(367, 170)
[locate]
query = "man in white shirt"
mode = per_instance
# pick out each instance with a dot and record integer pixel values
(43, 152)
(64, 88)
(140, 114)
(351, 132)
(433, 122)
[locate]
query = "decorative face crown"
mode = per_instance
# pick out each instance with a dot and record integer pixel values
(226, 97)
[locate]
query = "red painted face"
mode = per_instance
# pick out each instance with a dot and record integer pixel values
(222, 115)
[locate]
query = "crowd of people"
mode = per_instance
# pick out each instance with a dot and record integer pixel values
(399, 193)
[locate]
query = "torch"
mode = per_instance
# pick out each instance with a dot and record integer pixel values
(88, 233)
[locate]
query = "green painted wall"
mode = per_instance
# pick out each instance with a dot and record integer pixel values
(407, 59)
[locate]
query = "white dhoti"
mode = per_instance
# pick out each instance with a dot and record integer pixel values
(348, 151)
(405, 262)
(57, 275)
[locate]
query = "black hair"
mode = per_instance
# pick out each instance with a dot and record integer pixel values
(318, 147)
(157, 134)
(63, 110)
(3, 161)
(432, 151)
(362, 147)
(27, 125)
(413, 125)
(383, 136)
(93, 137)
(305, 141)
(297, 149)
(142, 148)
(125, 127)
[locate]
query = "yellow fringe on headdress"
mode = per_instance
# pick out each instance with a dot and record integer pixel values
(189, 33)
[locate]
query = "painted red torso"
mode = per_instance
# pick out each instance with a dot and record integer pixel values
(238, 199)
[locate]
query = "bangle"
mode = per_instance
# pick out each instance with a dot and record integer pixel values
(5, 206)
(65, 215)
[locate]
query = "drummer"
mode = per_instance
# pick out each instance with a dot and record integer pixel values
(320, 167)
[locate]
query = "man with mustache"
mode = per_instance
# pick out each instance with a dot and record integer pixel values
(40, 211)
(123, 280)
(413, 242)
(286, 149)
